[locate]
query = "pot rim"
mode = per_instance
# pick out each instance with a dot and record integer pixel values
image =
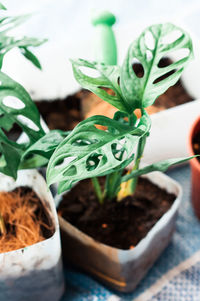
(151, 232)
(193, 127)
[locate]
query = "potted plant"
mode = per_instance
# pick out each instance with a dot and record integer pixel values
(194, 148)
(103, 147)
(30, 251)
(113, 239)
(30, 242)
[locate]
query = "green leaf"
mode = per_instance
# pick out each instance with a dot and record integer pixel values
(34, 162)
(142, 92)
(25, 114)
(89, 152)
(8, 23)
(31, 57)
(108, 77)
(9, 42)
(16, 106)
(2, 7)
(46, 145)
(159, 166)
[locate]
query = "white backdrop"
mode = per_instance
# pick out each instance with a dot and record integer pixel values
(66, 23)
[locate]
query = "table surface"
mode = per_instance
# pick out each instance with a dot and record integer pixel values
(175, 275)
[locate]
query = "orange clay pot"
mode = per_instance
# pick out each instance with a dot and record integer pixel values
(195, 169)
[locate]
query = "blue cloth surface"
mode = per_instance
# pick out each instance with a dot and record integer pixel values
(185, 243)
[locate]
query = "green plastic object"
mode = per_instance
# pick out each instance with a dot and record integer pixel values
(105, 42)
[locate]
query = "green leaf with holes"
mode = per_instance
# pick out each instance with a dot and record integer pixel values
(89, 151)
(108, 77)
(16, 103)
(16, 107)
(148, 49)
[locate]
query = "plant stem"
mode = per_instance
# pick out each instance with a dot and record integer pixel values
(131, 119)
(128, 188)
(112, 185)
(2, 225)
(97, 189)
(140, 149)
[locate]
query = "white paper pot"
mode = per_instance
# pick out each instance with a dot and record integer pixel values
(33, 273)
(122, 269)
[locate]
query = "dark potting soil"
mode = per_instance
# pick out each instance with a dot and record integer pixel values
(196, 144)
(118, 224)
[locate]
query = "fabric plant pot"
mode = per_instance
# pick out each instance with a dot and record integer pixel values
(35, 272)
(122, 269)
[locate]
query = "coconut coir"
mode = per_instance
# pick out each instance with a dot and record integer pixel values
(26, 219)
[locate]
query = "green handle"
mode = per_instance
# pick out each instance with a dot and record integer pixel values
(105, 43)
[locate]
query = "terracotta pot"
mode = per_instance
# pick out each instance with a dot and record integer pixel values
(122, 269)
(195, 169)
(35, 272)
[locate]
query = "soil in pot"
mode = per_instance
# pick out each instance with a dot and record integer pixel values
(118, 224)
(196, 144)
(26, 219)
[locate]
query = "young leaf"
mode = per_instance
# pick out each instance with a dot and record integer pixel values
(31, 57)
(46, 145)
(108, 78)
(9, 42)
(89, 152)
(159, 166)
(148, 50)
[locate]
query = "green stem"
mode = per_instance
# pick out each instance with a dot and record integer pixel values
(131, 119)
(136, 166)
(112, 185)
(139, 154)
(97, 190)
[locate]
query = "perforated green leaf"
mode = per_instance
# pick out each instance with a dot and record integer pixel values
(89, 152)
(16, 106)
(108, 77)
(148, 49)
